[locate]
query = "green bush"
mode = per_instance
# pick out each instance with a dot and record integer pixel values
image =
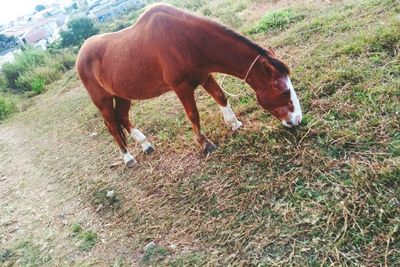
(7, 107)
(33, 69)
(3, 84)
(78, 31)
(64, 61)
(27, 60)
(38, 85)
(276, 20)
(28, 79)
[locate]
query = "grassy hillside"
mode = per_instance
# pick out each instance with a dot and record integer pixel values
(326, 193)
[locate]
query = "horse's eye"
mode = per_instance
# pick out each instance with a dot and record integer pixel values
(286, 92)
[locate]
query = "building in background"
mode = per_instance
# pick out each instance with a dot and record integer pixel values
(102, 11)
(40, 28)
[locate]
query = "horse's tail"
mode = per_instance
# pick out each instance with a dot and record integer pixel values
(121, 132)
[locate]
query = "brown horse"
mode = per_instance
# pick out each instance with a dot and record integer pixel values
(170, 49)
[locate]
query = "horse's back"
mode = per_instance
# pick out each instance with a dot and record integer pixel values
(156, 47)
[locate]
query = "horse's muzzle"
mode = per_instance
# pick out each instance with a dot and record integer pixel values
(296, 121)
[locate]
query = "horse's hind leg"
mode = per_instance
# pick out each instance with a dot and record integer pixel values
(122, 106)
(216, 92)
(105, 103)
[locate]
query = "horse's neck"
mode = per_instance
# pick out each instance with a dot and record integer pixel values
(231, 56)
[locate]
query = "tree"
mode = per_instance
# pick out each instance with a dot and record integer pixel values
(39, 8)
(7, 42)
(78, 31)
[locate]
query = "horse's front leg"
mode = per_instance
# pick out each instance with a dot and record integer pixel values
(186, 95)
(216, 92)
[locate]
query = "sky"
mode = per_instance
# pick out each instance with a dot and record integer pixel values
(11, 9)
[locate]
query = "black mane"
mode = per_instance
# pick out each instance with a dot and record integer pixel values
(275, 62)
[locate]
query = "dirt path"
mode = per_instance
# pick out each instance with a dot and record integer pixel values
(34, 210)
(37, 210)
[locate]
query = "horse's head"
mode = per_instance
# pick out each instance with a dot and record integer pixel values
(270, 80)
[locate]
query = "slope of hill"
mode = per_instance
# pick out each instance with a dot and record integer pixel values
(326, 193)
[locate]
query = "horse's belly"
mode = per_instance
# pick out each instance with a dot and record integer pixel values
(147, 93)
(141, 91)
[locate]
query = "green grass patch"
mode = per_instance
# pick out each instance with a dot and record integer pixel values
(76, 228)
(5, 255)
(154, 254)
(86, 239)
(191, 259)
(24, 253)
(384, 39)
(277, 20)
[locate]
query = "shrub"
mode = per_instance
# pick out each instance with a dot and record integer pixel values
(3, 84)
(7, 107)
(64, 61)
(276, 20)
(38, 85)
(25, 61)
(29, 80)
(33, 69)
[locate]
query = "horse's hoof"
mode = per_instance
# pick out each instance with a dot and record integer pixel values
(131, 163)
(149, 150)
(236, 125)
(210, 147)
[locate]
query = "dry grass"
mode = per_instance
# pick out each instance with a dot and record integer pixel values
(324, 194)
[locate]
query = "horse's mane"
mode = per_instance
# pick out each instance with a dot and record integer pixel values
(171, 10)
(275, 62)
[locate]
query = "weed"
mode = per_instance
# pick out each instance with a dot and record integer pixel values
(38, 85)
(76, 228)
(119, 262)
(87, 240)
(5, 255)
(154, 254)
(7, 106)
(26, 253)
(191, 259)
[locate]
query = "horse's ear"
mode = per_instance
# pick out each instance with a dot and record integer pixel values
(267, 64)
(272, 52)
(275, 65)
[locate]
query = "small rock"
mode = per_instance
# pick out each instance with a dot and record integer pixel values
(149, 245)
(173, 246)
(110, 194)
(93, 134)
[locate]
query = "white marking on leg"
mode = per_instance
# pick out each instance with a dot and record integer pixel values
(140, 138)
(230, 117)
(295, 116)
(128, 158)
